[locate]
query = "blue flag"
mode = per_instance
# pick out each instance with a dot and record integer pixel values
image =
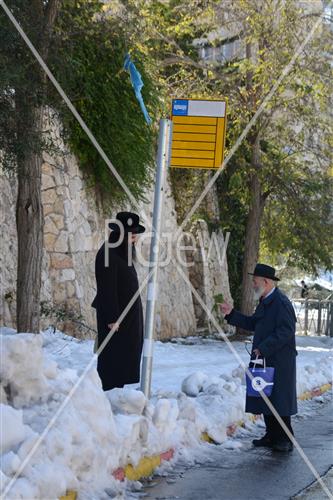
(137, 84)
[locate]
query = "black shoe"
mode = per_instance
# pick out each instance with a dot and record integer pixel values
(283, 446)
(263, 442)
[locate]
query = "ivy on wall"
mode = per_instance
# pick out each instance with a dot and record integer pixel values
(88, 62)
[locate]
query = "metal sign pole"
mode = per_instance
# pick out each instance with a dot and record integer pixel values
(163, 156)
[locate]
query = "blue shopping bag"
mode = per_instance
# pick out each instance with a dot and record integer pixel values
(263, 380)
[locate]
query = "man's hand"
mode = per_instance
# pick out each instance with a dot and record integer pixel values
(256, 352)
(114, 326)
(226, 308)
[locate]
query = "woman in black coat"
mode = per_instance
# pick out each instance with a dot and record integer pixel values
(117, 282)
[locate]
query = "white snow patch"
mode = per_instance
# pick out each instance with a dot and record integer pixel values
(127, 401)
(13, 431)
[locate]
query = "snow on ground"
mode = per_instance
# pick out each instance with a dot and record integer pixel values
(197, 387)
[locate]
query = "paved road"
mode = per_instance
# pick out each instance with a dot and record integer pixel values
(250, 473)
(315, 490)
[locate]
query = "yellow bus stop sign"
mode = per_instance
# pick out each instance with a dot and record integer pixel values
(198, 135)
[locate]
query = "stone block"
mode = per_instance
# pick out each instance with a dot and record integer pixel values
(70, 289)
(47, 181)
(61, 245)
(58, 221)
(47, 209)
(58, 206)
(49, 196)
(49, 241)
(66, 275)
(60, 293)
(49, 226)
(60, 261)
(47, 168)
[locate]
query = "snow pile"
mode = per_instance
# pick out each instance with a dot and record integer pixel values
(219, 401)
(69, 438)
(310, 376)
(92, 432)
(81, 449)
(24, 374)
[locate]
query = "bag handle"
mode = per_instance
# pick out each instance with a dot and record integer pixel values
(257, 361)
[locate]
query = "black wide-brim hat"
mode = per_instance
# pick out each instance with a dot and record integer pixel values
(264, 271)
(129, 221)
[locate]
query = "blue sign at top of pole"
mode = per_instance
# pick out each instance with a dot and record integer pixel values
(180, 107)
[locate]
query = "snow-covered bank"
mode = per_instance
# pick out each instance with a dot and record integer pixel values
(98, 432)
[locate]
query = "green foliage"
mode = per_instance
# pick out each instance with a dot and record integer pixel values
(88, 62)
(218, 299)
(21, 85)
(298, 223)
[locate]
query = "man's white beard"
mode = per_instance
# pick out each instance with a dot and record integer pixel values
(258, 293)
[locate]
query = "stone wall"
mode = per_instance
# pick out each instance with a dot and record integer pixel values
(74, 230)
(70, 240)
(8, 251)
(209, 272)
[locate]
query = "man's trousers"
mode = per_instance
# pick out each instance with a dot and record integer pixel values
(274, 429)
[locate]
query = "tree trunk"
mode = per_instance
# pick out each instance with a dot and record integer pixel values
(29, 211)
(29, 223)
(252, 239)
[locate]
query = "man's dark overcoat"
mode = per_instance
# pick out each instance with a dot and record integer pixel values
(273, 324)
(119, 362)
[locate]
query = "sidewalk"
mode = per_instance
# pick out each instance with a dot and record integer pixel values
(247, 473)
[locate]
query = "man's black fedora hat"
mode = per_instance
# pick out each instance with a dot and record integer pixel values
(129, 221)
(264, 271)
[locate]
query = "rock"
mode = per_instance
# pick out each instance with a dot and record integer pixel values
(49, 196)
(49, 226)
(58, 221)
(70, 287)
(47, 209)
(60, 261)
(49, 240)
(47, 168)
(60, 293)
(67, 275)
(61, 244)
(47, 182)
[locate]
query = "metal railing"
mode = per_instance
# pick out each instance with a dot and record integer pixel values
(314, 316)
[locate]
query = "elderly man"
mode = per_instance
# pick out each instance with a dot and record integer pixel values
(273, 324)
